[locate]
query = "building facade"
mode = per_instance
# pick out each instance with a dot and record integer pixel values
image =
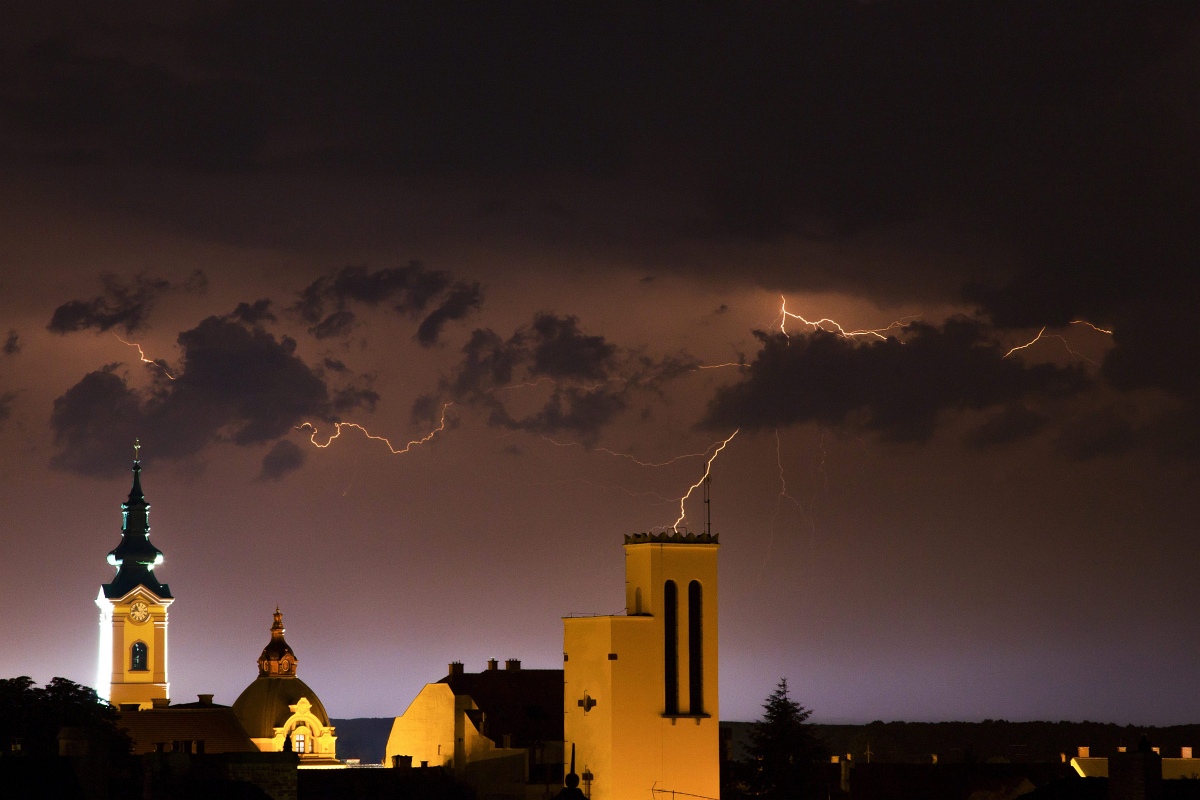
(640, 702)
(132, 663)
(500, 730)
(280, 712)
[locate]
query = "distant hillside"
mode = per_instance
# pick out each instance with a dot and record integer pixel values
(364, 738)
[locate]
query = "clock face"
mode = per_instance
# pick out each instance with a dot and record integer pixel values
(139, 612)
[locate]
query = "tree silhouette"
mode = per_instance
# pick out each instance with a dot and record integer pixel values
(31, 717)
(786, 758)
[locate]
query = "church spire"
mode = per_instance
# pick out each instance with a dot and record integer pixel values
(277, 659)
(135, 557)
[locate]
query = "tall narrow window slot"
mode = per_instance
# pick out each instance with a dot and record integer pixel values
(695, 649)
(137, 657)
(671, 647)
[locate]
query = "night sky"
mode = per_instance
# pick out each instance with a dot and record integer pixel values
(577, 226)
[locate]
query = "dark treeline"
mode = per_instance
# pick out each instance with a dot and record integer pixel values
(998, 740)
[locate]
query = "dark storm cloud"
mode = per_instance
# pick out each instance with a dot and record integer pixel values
(1013, 423)
(6, 404)
(1047, 155)
(236, 383)
(461, 300)
(408, 290)
(339, 323)
(897, 389)
(334, 365)
(64, 101)
(254, 313)
(591, 379)
(124, 304)
(284, 458)
(12, 344)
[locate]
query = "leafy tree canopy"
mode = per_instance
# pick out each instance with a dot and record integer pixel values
(32, 716)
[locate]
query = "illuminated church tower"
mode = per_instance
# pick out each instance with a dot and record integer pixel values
(641, 688)
(133, 612)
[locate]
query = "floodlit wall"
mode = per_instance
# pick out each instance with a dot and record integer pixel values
(426, 730)
(118, 633)
(616, 679)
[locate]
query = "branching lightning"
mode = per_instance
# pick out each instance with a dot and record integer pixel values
(635, 460)
(142, 356)
(339, 425)
(820, 324)
(699, 483)
(783, 492)
(1043, 335)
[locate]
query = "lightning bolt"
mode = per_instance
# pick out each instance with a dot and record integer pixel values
(339, 425)
(1030, 343)
(628, 456)
(142, 356)
(703, 478)
(819, 324)
(1090, 325)
(783, 492)
(1042, 334)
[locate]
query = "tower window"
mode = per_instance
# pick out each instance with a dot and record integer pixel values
(695, 649)
(138, 655)
(671, 647)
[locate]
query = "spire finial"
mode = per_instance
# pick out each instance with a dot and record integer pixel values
(137, 445)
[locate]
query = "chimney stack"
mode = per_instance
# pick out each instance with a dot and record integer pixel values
(512, 664)
(492, 664)
(456, 669)
(205, 700)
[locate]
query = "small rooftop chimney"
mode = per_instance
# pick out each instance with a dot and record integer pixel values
(160, 702)
(512, 664)
(1185, 752)
(492, 663)
(456, 669)
(205, 699)
(1085, 752)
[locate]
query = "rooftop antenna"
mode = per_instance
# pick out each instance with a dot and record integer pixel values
(707, 506)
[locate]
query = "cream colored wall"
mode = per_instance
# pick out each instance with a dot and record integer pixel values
(1172, 768)
(625, 740)
(426, 729)
(587, 641)
(119, 633)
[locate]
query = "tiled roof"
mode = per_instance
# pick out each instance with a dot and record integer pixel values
(217, 727)
(526, 704)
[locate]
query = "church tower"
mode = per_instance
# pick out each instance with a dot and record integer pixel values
(132, 666)
(641, 702)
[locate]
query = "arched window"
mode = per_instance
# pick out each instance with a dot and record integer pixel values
(671, 647)
(138, 655)
(695, 649)
(299, 748)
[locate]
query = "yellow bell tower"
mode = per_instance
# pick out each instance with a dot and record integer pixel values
(641, 699)
(132, 665)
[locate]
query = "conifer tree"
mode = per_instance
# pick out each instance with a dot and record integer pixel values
(786, 758)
